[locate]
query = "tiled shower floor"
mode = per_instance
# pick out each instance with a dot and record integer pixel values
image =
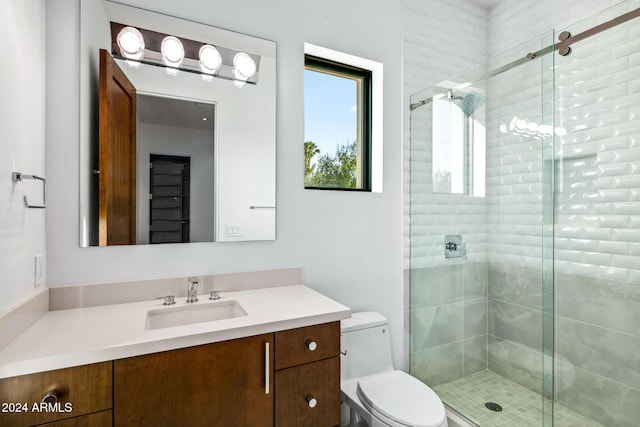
(521, 406)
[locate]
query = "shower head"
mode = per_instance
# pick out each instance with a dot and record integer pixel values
(468, 103)
(450, 96)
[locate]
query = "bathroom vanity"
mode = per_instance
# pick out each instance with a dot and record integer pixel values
(277, 365)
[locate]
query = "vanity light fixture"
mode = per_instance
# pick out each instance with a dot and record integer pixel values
(131, 43)
(142, 46)
(172, 53)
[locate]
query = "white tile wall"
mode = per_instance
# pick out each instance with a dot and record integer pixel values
(598, 103)
(514, 21)
(441, 39)
(597, 89)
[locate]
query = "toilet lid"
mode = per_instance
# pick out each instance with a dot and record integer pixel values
(402, 398)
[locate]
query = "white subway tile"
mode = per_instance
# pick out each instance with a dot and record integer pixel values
(627, 235)
(614, 169)
(613, 221)
(613, 194)
(619, 248)
(625, 261)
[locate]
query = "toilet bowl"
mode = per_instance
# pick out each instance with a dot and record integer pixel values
(375, 392)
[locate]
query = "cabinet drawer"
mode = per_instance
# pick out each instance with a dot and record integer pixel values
(308, 344)
(309, 395)
(98, 419)
(80, 390)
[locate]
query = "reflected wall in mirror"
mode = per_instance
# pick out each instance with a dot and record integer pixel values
(201, 162)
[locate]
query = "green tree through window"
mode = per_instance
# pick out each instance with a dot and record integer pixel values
(336, 170)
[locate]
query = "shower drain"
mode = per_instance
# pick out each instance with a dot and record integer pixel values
(492, 406)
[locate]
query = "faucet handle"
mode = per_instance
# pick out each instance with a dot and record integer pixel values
(215, 294)
(168, 300)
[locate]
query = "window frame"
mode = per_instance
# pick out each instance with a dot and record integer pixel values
(365, 88)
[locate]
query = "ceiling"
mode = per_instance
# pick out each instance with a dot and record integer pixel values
(175, 112)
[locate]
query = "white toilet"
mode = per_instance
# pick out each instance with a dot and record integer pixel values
(375, 392)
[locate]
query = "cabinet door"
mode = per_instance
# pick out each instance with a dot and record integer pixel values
(222, 384)
(309, 395)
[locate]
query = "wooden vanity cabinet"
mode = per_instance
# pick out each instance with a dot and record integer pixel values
(307, 376)
(227, 383)
(289, 378)
(78, 396)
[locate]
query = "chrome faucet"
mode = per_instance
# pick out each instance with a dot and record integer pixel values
(192, 290)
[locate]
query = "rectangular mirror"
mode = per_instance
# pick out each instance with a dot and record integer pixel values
(180, 153)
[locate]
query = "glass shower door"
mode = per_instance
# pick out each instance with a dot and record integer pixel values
(481, 306)
(597, 222)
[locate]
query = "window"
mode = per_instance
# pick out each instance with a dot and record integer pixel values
(337, 125)
(459, 144)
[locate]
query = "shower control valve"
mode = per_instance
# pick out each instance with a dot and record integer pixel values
(454, 247)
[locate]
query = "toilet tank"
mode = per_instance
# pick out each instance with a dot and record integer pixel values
(365, 345)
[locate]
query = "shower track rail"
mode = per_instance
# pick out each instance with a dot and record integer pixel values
(563, 47)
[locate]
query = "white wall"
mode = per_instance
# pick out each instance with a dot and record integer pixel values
(348, 244)
(22, 148)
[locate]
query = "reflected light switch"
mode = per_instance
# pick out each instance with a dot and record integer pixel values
(233, 230)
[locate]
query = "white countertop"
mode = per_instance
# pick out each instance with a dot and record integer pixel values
(74, 337)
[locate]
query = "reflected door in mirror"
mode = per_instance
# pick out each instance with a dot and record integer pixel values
(170, 182)
(117, 155)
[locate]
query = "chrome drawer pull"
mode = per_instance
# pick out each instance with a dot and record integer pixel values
(311, 345)
(266, 368)
(50, 397)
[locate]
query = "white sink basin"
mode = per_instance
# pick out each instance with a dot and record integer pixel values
(196, 313)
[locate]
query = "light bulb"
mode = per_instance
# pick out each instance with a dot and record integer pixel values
(244, 65)
(210, 59)
(172, 51)
(131, 43)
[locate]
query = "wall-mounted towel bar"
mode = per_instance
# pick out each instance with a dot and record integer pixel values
(261, 207)
(17, 176)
